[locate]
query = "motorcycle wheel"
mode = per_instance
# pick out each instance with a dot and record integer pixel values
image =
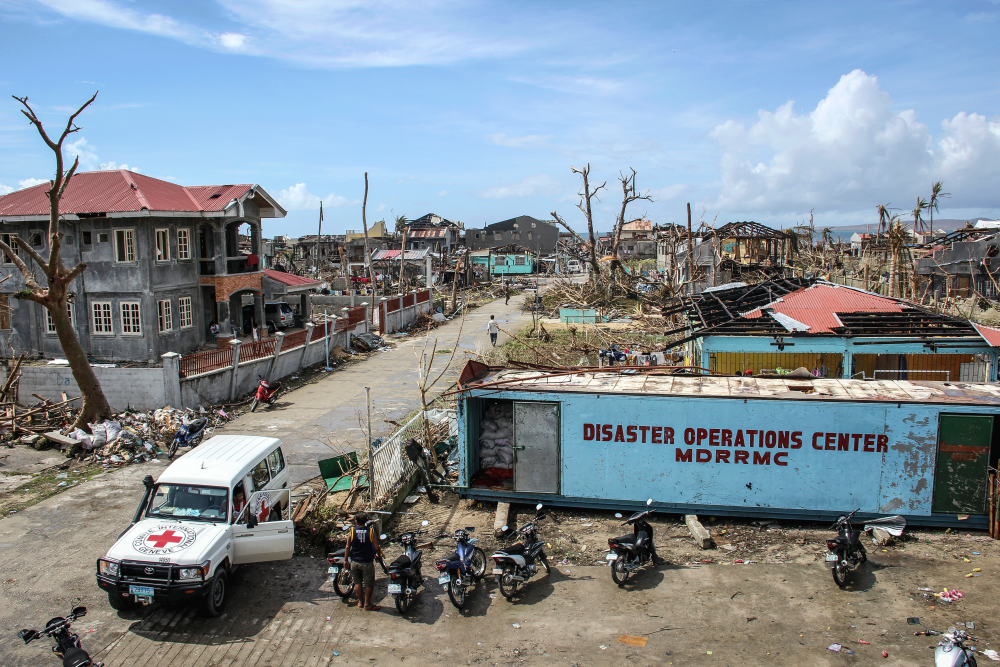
(172, 449)
(545, 561)
(839, 573)
(508, 585)
(253, 406)
(456, 594)
(619, 573)
(478, 563)
(119, 603)
(343, 585)
(401, 599)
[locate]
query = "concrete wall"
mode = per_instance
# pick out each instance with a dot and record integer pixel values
(140, 388)
(402, 318)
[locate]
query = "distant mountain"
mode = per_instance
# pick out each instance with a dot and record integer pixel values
(843, 234)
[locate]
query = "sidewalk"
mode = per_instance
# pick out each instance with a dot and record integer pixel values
(333, 408)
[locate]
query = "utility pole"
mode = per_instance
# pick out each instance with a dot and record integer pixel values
(690, 253)
(319, 232)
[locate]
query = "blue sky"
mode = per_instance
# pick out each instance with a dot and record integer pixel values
(477, 110)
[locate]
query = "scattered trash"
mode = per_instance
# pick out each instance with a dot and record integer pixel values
(632, 640)
(834, 647)
(603, 647)
(328, 618)
(950, 596)
(409, 500)
(64, 484)
(517, 626)
(336, 652)
(862, 641)
(992, 655)
(975, 553)
(885, 654)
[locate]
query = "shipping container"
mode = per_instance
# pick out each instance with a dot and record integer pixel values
(737, 446)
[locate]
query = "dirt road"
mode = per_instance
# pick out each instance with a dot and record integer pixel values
(328, 410)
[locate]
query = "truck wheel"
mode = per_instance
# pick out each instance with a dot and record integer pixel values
(215, 599)
(119, 602)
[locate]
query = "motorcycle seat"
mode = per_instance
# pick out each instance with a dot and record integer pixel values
(402, 562)
(515, 550)
(336, 554)
(452, 556)
(625, 539)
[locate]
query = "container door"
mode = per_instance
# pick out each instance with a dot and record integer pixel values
(536, 447)
(960, 473)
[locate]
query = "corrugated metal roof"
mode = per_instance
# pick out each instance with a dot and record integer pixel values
(427, 233)
(638, 226)
(394, 254)
(816, 306)
(989, 334)
(614, 382)
(121, 191)
(289, 279)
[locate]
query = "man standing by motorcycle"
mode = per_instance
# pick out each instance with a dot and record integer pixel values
(362, 550)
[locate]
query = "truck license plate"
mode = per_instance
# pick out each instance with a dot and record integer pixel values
(333, 570)
(394, 589)
(497, 571)
(612, 556)
(142, 591)
(831, 558)
(444, 579)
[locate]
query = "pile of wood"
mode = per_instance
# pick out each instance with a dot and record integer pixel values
(41, 417)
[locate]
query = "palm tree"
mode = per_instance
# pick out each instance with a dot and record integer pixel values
(401, 223)
(936, 197)
(918, 218)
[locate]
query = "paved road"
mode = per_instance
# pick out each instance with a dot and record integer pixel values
(331, 410)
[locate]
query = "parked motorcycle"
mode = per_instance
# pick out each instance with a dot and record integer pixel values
(951, 652)
(515, 564)
(464, 566)
(845, 551)
(188, 435)
(404, 572)
(340, 570)
(68, 645)
(267, 392)
(630, 552)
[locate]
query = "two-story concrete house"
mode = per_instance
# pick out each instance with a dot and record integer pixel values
(535, 235)
(163, 262)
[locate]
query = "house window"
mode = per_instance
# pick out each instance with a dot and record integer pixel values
(50, 324)
(124, 245)
(519, 260)
(102, 238)
(35, 239)
(183, 244)
(162, 245)
(530, 235)
(88, 238)
(130, 318)
(497, 236)
(9, 240)
(184, 308)
(164, 316)
(101, 317)
(516, 236)
(4, 312)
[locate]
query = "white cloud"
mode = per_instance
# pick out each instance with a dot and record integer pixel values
(5, 189)
(319, 33)
(502, 139)
(442, 193)
(851, 152)
(298, 198)
(232, 40)
(31, 182)
(542, 184)
(83, 150)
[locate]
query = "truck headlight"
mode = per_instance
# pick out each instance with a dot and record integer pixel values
(108, 568)
(197, 572)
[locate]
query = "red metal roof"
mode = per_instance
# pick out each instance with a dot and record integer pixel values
(816, 306)
(121, 191)
(989, 334)
(289, 279)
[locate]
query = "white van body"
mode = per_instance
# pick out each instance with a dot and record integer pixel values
(188, 532)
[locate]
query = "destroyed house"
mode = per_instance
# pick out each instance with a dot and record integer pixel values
(960, 264)
(536, 235)
(832, 331)
(733, 252)
(163, 262)
(752, 447)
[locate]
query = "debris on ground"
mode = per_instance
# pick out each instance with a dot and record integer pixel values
(367, 342)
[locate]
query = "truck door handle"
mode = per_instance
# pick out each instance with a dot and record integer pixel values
(284, 530)
(515, 447)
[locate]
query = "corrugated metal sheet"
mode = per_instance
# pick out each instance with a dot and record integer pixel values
(394, 254)
(816, 306)
(989, 334)
(121, 191)
(438, 233)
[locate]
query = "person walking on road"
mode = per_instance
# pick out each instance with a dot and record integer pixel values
(362, 550)
(494, 330)
(506, 293)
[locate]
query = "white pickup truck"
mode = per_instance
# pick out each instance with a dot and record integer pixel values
(219, 506)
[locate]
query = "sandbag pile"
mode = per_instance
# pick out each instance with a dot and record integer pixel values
(496, 444)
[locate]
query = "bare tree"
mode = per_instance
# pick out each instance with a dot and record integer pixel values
(368, 257)
(584, 205)
(629, 195)
(54, 294)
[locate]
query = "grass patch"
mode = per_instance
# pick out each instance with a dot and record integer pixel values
(444, 351)
(45, 485)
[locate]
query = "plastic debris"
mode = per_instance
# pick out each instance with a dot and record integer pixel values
(862, 641)
(992, 655)
(632, 640)
(834, 647)
(517, 626)
(885, 654)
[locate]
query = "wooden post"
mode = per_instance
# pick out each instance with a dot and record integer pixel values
(690, 252)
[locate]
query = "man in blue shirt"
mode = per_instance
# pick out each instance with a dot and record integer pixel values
(362, 549)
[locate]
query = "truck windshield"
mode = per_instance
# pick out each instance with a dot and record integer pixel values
(207, 503)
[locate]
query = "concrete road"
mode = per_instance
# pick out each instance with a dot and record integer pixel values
(330, 411)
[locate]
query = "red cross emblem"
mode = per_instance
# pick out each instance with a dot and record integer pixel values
(164, 538)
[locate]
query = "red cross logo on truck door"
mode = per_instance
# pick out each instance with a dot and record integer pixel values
(164, 538)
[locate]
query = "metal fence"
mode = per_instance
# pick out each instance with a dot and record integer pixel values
(258, 349)
(203, 362)
(389, 466)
